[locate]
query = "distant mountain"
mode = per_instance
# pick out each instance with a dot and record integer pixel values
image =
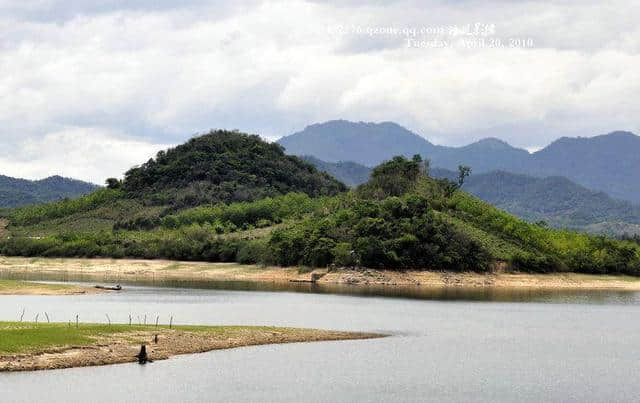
(556, 200)
(483, 156)
(607, 163)
(349, 173)
(21, 192)
(365, 143)
(610, 163)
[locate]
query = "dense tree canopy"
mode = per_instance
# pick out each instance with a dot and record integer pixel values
(225, 166)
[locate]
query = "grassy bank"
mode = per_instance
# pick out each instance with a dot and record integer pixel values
(27, 346)
(137, 269)
(17, 287)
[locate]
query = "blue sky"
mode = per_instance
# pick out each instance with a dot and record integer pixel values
(90, 88)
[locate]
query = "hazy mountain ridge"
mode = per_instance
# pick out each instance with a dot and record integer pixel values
(347, 172)
(607, 162)
(15, 192)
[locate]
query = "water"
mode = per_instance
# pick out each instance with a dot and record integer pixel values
(472, 346)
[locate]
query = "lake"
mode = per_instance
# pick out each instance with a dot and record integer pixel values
(453, 345)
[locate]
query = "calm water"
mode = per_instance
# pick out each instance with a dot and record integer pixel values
(471, 346)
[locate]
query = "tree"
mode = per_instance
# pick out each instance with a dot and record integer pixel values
(393, 178)
(450, 187)
(113, 183)
(463, 172)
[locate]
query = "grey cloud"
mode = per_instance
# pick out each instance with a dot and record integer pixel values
(141, 75)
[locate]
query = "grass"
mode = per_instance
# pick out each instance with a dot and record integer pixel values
(8, 286)
(19, 337)
(499, 248)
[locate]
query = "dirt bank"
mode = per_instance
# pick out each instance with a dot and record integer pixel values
(115, 270)
(123, 347)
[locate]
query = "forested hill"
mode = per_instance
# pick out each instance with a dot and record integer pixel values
(607, 163)
(21, 192)
(556, 200)
(400, 219)
(225, 166)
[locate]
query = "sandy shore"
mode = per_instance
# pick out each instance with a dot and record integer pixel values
(123, 347)
(115, 270)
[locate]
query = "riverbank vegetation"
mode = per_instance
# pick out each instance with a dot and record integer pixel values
(401, 219)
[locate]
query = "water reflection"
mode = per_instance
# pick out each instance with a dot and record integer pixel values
(479, 294)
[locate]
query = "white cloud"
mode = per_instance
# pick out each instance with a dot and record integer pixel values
(141, 74)
(92, 154)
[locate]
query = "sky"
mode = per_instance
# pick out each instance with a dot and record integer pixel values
(90, 88)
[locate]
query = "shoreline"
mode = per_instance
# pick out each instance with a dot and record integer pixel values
(122, 345)
(114, 270)
(19, 287)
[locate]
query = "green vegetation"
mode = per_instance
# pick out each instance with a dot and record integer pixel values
(229, 217)
(9, 286)
(19, 337)
(41, 212)
(400, 219)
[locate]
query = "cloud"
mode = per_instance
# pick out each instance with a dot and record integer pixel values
(92, 154)
(139, 75)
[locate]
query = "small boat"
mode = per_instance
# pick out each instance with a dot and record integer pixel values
(116, 288)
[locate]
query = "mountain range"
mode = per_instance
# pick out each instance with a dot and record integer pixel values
(21, 192)
(607, 163)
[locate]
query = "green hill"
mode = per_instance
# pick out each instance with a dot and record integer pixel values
(224, 166)
(556, 200)
(21, 192)
(400, 219)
